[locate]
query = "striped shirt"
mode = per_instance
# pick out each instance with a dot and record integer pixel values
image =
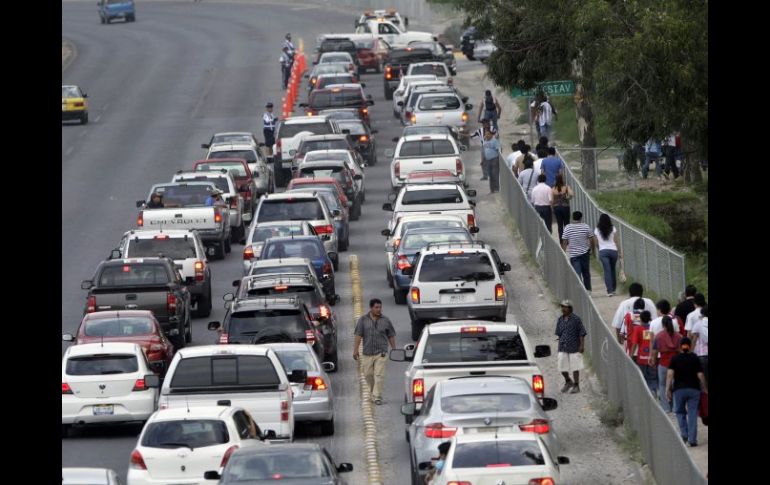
(268, 121)
(374, 333)
(578, 237)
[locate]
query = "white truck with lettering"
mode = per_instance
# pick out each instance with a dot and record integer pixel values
(392, 34)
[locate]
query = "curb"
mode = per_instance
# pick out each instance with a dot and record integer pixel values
(371, 451)
(68, 53)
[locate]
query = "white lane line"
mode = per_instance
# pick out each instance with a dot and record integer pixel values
(98, 118)
(82, 133)
(306, 7)
(69, 150)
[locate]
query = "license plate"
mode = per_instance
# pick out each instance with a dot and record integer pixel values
(453, 299)
(490, 429)
(104, 410)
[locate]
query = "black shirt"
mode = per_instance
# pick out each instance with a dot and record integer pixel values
(686, 367)
(683, 309)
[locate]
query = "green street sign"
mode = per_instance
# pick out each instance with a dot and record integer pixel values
(551, 88)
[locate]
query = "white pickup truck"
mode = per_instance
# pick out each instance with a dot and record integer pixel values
(469, 348)
(425, 152)
(184, 207)
(392, 34)
(289, 134)
(224, 182)
(444, 199)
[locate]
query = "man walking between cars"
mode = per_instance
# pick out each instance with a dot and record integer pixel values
(268, 128)
(491, 151)
(285, 61)
(376, 331)
(571, 333)
(580, 240)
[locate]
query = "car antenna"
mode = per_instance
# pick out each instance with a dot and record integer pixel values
(187, 402)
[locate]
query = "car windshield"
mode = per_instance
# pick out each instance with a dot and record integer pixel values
(234, 167)
(275, 466)
(436, 103)
(247, 155)
(292, 249)
(306, 292)
(318, 154)
(220, 182)
(473, 347)
(280, 270)
(334, 57)
(330, 45)
(289, 130)
(70, 92)
(437, 69)
(174, 248)
(97, 365)
(231, 138)
(417, 241)
(118, 327)
(252, 322)
(189, 433)
(485, 403)
(263, 233)
(426, 148)
(315, 145)
(355, 127)
(497, 454)
(133, 275)
(297, 360)
(290, 210)
(432, 196)
(327, 80)
(457, 265)
(335, 97)
(184, 195)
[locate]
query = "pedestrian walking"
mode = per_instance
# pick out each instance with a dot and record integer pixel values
(551, 167)
(490, 109)
(694, 316)
(635, 291)
(285, 61)
(686, 306)
(491, 150)
(571, 333)
(663, 307)
(684, 382)
(609, 251)
(633, 319)
(670, 152)
(580, 241)
(545, 117)
(641, 348)
(268, 128)
(651, 154)
(700, 340)
(375, 330)
(528, 178)
(665, 345)
(519, 165)
(562, 193)
(516, 148)
(542, 198)
(480, 134)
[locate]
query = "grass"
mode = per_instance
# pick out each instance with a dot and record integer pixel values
(565, 127)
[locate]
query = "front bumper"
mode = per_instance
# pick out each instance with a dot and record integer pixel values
(137, 406)
(444, 312)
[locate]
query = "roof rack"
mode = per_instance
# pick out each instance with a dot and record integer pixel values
(274, 276)
(449, 245)
(266, 300)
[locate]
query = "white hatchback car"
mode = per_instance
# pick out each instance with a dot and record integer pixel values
(105, 383)
(179, 445)
(91, 476)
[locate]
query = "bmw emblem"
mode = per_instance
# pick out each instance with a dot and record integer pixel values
(500, 482)
(488, 421)
(184, 468)
(102, 386)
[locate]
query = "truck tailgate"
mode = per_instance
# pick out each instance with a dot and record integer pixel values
(463, 213)
(201, 218)
(409, 165)
(153, 298)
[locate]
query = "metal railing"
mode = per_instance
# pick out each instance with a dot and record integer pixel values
(660, 443)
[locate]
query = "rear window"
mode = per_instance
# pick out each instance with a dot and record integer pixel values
(343, 97)
(330, 68)
(437, 69)
(436, 103)
(426, 148)
(280, 270)
(332, 202)
(306, 292)
(401, 55)
(264, 233)
(327, 80)
(485, 403)
(434, 196)
(417, 241)
(290, 210)
(291, 249)
(314, 154)
(247, 155)
(291, 130)
(365, 44)
(463, 266)
(235, 168)
(268, 321)
(314, 145)
(337, 45)
(273, 467)
(426, 130)
(497, 454)
(134, 275)
(338, 173)
(297, 360)
(118, 327)
(335, 57)
(219, 182)
(355, 127)
(414, 224)
(473, 347)
(174, 248)
(184, 195)
(99, 365)
(191, 433)
(224, 370)
(341, 114)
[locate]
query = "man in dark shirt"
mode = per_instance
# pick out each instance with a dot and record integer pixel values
(571, 333)
(376, 331)
(685, 380)
(684, 308)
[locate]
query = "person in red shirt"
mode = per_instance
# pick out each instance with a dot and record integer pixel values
(631, 320)
(665, 346)
(641, 349)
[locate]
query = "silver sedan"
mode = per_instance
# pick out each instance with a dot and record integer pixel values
(468, 405)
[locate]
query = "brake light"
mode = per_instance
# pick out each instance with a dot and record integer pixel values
(217, 216)
(364, 111)
(284, 410)
(139, 385)
(227, 454)
(413, 119)
(79, 104)
(248, 253)
(315, 384)
(65, 388)
(538, 385)
(471, 220)
(403, 263)
(456, 251)
(415, 294)
(310, 337)
(327, 268)
(310, 113)
(140, 219)
(465, 117)
(388, 72)
(499, 292)
(458, 166)
(459, 483)
(363, 137)
(397, 169)
(224, 338)
(91, 304)
(324, 229)
(325, 311)
(438, 430)
(312, 81)
(161, 236)
(542, 481)
(199, 271)
(137, 462)
(474, 329)
(539, 426)
(418, 389)
(234, 203)
(281, 287)
(171, 302)
(408, 115)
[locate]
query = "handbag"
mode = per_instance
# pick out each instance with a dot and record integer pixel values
(622, 275)
(703, 408)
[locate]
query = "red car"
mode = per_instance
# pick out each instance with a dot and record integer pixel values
(371, 54)
(307, 182)
(242, 176)
(132, 326)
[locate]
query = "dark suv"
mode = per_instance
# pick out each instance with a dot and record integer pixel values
(397, 64)
(340, 96)
(337, 44)
(313, 143)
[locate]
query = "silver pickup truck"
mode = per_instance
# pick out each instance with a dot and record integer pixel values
(433, 199)
(184, 206)
(425, 152)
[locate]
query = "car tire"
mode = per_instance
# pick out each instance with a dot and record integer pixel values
(343, 246)
(470, 57)
(219, 250)
(131, 18)
(178, 340)
(408, 419)
(417, 326)
(334, 359)
(389, 278)
(84, 119)
(355, 211)
(336, 262)
(400, 297)
(327, 427)
(373, 158)
(237, 233)
(188, 332)
(102, 19)
(108, 20)
(228, 248)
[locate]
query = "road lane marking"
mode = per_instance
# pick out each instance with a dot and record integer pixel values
(69, 150)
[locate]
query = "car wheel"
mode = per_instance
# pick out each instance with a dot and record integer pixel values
(327, 427)
(101, 19)
(417, 326)
(334, 359)
(84, 119)
(400, 297)
(408, 419)
(188, 332)
(344, 243)
(336, 262)
(228, 248)
(389, 277)
(108, 20)
(237, 233)
(470, 57)
(132, 18)
(179, 339)
(219, 250)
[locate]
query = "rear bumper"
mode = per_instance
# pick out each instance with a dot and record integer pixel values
(143, 477)
(211, 235)
(444, 312)
(137, 406)
(314, 409)
(400, 281)
(73, 114)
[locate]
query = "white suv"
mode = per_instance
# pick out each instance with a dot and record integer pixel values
(456, 281)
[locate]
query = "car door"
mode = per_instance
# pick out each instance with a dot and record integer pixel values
(387, 33)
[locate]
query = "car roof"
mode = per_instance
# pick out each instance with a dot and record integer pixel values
(454, 326)
(431, 187)
(271, 279)
(303, 237)
(329, 150)
(267, 302)
(285, 196)
(484, 385)
(315, 163)
(429, 217)
(228, 146)
(216, 160)
(335, 74)
(224, 133)
(121, 261)
(232, 349)
(94, 476)
(427, 136)
(435, 230)
(270, 263)
(194, 412)
(279, 223)
(318, 180)
(327, 136)
(104, 348)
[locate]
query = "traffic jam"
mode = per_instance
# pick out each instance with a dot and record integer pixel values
(474, 406)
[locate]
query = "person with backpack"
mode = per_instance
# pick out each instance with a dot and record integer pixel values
(635, 291)
(490, 109)
(631, 320)
(491, 151)
(665, 346)
(641, 348)
(528, 178)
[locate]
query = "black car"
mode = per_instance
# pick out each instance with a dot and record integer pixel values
(295, 463)
(341, 44)
(397, 64)
(440, 53)
(468, 41)
(362, 139)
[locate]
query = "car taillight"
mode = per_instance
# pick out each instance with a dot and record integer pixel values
(459, 483)
(458, 166)
(324, 311)
(139, 385)
(408, 115)
(542, 481)
(140, 219)
(217, 216)
(227, 454)
(471, 220)
(499, 292)
(327, 268)
(364, 111)
(315, 384)
(199, 271)
(284, 410)
(91, 304)
(465, 117)
(438, 430)
(415, 293)
(234, 203)
(413, 119)
(363, 138)
(324, 229)
(539, 426)
(538, 385)
(65, 388)
(388, 72)
(310, 337)
(78, 104)
(224, 338)
(137, 462)
(248, 253)
(397, 169)
(403, 262)
(418, 389)
(474, 329)
(171, 303)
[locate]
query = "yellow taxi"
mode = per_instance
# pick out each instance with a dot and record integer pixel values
(73, 104)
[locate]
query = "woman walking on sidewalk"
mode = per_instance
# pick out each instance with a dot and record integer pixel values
(667, 343)
(562, 193)
(607, 237)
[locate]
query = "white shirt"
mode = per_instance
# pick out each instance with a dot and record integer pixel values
(511, 159)
(542, 195)
(536, 164)
(546, 114)
(606, 243)
(702, 344)
(528, 181)
(627, 306)
(692, 319)
(656, 326)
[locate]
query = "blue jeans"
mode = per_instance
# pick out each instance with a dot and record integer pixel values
(545, 130)
(609, 257)
(649, 157)
(581, 265)
(492, 117)
(688, 419)
(662, 388)
(650, 377)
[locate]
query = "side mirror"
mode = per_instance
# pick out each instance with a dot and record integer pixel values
(328, 366)
(406, 21)
(67, 337)
(139, 204)
(400, 103)
(505, 267)
(236, 283)
(336, 212)
(370, 102)
(470, 193)
(303, 105)
(228, 297)
(363, 85)
(85, 95)
(86, 285)
(261, 144)
(465, 99)
(345, 131)
(157, 366)
(345, 467)
(397, 355)
(450, 48)
(298, 376)
(385, 232)
(408, 271)
(473, 229)
(386, 207)
(205, 145)
(307, 76)
(563, 460)
(214, 326)
(410, 347)
(358, 176)
(542, 351)
(116, 254)
(395, 138)
(211, 475)
(268, 434)
(549, 404)
(374, 132)
(468, 107)
(333, 299)
(472, 202)
(425, 465)
(408, 409)
(463, 148)
(152, 381)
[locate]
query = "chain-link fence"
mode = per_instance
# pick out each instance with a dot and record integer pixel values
(661, 445)
(646, 260)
